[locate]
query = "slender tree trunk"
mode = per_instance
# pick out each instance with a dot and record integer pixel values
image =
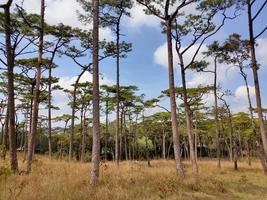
(50, 102)
(32, 135)
(30, 124)
(163, 145)
(6, 134)
(84, 130)
(106, 132)
(233, 134)
(255, 67)
(249, 151)
(2, 133)
(11, 100)
(189, 118)
(125, 137)
(120, 135)
(118, 131)
(196, 137)
(175, 136)
(96, 108)
(244, 75)
(82, 135)
(216, 115)
(73, 110)
(49, 113)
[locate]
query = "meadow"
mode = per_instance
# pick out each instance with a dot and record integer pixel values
(62, 180)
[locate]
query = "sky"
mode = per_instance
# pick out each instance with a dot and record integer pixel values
(146, 65)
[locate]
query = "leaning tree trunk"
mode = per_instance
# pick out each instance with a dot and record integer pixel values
(175, 135)
(36, 95)
(255, 68)
(96, 114)
(244, 75)
(71, 135)
(189, 119)
(11, 100)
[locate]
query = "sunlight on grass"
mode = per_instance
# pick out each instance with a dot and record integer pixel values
(61, 180)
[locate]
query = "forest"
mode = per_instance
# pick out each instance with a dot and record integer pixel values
(92, 107)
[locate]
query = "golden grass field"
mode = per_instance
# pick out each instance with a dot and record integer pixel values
(60, 180)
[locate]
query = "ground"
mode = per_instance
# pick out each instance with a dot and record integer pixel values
(60, 180)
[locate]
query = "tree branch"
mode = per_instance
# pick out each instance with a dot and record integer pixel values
(260, 33)
(259, 11)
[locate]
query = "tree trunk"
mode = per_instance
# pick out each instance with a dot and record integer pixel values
(249, 151)
(163, 145)
(118, 131)
(176, 141)
(11, 100)
(49, 113)
(5, 141)
(106, 132)
(125, 138)
(189, 118)
(36, 95)
(233, 134)
(96, 108)
(120, 135)
(82, 135)
(71, 135)
(254, 67)
(216, 115)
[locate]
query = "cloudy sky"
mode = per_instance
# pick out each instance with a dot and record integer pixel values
(146, 65)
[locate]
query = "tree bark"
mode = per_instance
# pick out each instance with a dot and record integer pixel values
(96, 108)
(36, 95)
(189, 118)
(82, 134)
(118, 131)
(11, 100)
(163, 145)
(84, 131)
(106, 132)
(254, 67)
(216, 116)
(49, 112)
(175, 136)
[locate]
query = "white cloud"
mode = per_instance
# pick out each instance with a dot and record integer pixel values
(261, 51)
(241, 92)
(139, 18)
(62, 11)
(60, 98)
(195, 79)
(240, 101)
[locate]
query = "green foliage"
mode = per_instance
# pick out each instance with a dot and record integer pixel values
(144, 144)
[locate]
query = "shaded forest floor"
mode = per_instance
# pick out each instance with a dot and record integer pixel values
(60, 180)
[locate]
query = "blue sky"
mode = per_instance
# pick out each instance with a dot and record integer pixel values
(144, 66)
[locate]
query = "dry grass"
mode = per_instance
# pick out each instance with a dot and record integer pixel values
(60, 180)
